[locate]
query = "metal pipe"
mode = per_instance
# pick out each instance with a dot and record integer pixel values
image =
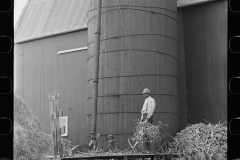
(134, 35)
(134, 6)
(156, 94)
(134, 75)
(131, 112)
(152, 12)
(141, 50)
(96, 70)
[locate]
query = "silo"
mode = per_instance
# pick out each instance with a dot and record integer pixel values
(152, 32)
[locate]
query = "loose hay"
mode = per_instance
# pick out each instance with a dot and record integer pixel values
(28, 144)
(152, 138)
(201, 141)
(29, 141)
(24, 117)
(67, 145)
(147, 138)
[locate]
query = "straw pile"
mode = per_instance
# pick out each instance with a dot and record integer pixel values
(151, 138)
(66, 144)
(203, 141)
(29, 141)
(147, 138)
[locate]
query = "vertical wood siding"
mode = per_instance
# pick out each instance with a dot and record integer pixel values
(205, 39)
(182, 102)
(42, 70)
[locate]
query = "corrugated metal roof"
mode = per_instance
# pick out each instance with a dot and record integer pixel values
(42, 18)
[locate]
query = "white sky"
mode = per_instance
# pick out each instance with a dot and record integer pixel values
(18, 6)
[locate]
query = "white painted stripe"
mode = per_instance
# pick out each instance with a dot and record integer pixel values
(185, 3)
(72, 50)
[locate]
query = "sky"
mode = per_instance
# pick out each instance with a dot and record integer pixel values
(18, 6)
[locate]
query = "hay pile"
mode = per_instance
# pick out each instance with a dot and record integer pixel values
(151, 138)
(203, 141)
(29, 141)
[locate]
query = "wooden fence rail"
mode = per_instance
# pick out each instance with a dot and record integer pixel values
(56, 131)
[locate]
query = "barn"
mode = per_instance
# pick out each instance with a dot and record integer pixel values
(53, 51)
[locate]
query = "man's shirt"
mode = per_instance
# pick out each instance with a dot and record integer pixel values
(112, 146)
(148, 106)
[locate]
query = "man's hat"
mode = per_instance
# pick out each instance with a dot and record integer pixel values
(146, 90)
(93, 135)
(110, 136)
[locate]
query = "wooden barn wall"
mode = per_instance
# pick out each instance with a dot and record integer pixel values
(40, 70)
(182, 103)
(205, 46)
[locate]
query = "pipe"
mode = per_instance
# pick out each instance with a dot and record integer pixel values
(96, 70)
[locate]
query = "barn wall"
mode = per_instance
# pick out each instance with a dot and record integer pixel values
(205, 45)
(182, 103)
(41, 70)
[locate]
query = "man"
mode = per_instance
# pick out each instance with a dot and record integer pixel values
(148, 107)
(93, 143)
(112, 145)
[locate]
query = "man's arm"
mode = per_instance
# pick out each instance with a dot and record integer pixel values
(151, 107)
(107, 148)
(116, 146)
(143, 109)
(141, 118)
